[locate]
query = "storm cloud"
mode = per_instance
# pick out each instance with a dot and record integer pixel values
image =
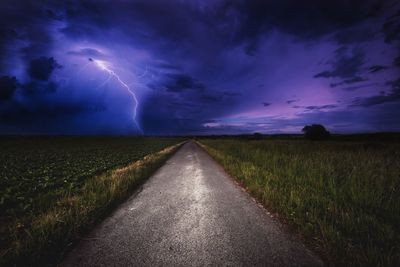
(100, 66)
(7, 87)
(347, 64)
(392, 96)
(41, 68)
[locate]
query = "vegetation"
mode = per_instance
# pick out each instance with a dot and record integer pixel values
(343, 195)
(315, 132)
(52, 189)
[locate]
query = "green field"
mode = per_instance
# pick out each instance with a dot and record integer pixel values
(51, 188)
(344, 197)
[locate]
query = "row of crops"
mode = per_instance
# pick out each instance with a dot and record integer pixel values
(36, 170)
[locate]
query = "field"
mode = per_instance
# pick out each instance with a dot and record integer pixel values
(343, 197)
(52, 188)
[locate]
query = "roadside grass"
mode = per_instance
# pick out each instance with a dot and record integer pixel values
(40, 238)
(344, 196)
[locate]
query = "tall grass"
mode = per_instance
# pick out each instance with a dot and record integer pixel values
(45, 238)
(346, 196)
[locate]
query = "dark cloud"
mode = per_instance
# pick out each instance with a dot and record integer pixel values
(185, 111)
(39, 114)
(8, 85)
(169, 114)
(291, 101)
(266, 104)
(347, 64)
(355, 35)
(355, 79)
(376, 68)
(394, 84)
(396, 61)
(391, 28)
(376, 100)
(35, 87)
(41, 68)
(182, 82)
(391, 31)
(45, 110)
(139, 20)
(23, 24)
(226, 23)
(306, 20)
(316, 108)
(251, 48)
(353, 88)
(392, 96)
(320, 107)
(39, 43)
(6, 35)
(54, 14)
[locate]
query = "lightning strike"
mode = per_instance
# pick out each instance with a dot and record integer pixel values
(103, 66)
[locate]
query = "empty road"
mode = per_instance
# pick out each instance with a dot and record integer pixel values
(190, 213)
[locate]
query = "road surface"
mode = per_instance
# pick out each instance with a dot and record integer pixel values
(190, 213)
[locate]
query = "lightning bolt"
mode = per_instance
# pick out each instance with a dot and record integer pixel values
(103, 66)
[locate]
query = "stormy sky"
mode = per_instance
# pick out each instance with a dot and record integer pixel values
(198, 67)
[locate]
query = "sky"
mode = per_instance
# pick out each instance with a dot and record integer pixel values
(178, 67)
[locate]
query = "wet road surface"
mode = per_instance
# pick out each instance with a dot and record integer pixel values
(190, 213)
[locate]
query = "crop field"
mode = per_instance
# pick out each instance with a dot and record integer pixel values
(36, 170)
(47, 175)
(343, 197)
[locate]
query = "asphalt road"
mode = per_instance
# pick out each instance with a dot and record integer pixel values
(190, 213)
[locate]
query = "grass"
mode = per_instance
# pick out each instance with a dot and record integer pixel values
(37, 235)
(345, 196)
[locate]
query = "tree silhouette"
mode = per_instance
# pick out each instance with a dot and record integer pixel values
(315, 132)
(257, 136)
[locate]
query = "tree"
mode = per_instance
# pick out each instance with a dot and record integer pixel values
(257, 136)
(315, 132)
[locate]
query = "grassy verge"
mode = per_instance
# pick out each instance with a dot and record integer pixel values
(43, 241)
(343, 196)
